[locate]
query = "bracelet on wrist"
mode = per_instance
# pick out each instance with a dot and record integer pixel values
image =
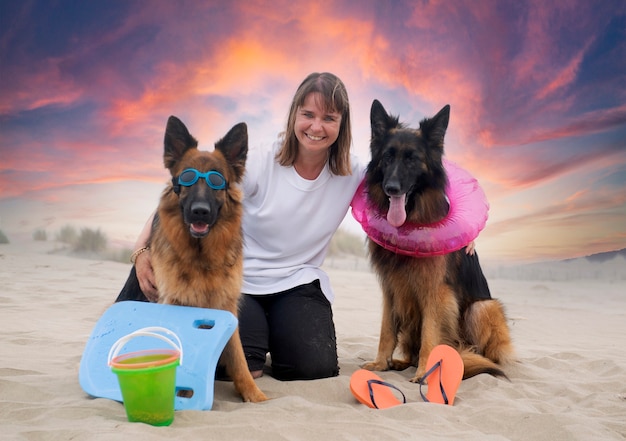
(133, 257)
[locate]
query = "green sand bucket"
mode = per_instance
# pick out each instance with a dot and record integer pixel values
(147, 378)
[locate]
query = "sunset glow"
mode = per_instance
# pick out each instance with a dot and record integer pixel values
(536, 90)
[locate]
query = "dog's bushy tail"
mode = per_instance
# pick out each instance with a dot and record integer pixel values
(477, 364)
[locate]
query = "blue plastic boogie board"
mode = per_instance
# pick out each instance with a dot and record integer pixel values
(203, 333)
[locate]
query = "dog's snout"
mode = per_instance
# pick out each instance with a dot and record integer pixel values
(200, 210)
(392, 187)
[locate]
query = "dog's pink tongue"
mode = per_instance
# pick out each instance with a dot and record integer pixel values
(200, 227)
(396, 214)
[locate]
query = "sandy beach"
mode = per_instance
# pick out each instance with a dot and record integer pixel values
(569, 382)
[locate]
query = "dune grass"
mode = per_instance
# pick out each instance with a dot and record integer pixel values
(346, 243)
(94, 243)
(40, 235)
(84, 242)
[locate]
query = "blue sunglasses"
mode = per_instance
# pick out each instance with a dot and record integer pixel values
(214, 179)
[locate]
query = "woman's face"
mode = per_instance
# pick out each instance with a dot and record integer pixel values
(315, 129)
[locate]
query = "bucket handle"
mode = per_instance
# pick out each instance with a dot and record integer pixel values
(151, 331)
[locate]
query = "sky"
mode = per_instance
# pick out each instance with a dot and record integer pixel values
(537, 92)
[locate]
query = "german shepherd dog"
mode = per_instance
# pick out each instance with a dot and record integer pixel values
(196, 241)
(435, 300)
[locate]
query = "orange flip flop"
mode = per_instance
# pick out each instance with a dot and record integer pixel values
(371, 390)
(445, 367)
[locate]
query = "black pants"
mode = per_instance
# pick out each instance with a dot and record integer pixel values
(296, 327)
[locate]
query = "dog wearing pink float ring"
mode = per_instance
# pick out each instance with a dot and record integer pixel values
(419, 212)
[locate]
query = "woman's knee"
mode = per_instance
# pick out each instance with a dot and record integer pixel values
(305, 371)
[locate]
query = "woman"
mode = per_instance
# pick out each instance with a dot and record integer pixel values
(296, 195)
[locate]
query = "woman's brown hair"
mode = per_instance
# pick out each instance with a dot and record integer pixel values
(335, 99)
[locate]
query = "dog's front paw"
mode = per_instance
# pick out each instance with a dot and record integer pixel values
(418, 376)
(399, 365)
(375, 366)
(254, 396)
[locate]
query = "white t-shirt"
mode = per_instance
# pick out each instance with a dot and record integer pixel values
(288, 222)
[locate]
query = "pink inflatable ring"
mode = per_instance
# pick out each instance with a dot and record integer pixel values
(466, 218)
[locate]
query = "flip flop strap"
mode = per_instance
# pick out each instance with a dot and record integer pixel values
(382, 383)
(429, 372)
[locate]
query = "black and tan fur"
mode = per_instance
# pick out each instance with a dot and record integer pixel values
(196, 243)
(427, 300)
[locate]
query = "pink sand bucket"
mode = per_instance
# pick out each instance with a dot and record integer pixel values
(147, 378)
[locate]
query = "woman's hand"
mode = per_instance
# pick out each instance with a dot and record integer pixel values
(470, 248)
(143, 262)
(145, 276)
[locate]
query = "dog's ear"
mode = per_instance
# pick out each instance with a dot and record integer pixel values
(176, 142)
(434, 129)
(234, 147)
(380, 120)
(381, 123)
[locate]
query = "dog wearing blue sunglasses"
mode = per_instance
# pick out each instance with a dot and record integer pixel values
(196, 243)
